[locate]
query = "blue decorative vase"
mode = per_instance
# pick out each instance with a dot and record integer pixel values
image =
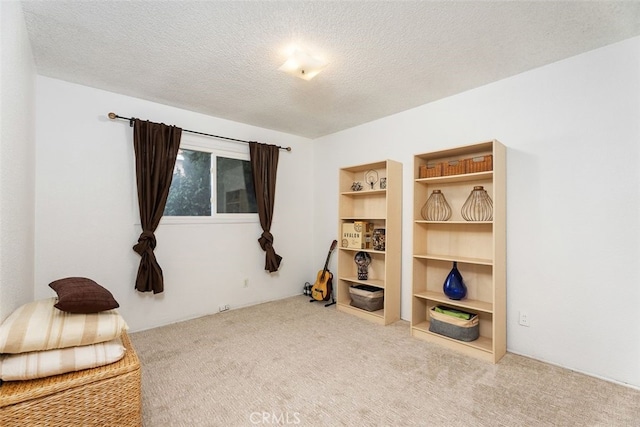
(454, 286)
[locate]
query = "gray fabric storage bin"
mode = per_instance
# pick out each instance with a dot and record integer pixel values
(452, 327)
(367, 297)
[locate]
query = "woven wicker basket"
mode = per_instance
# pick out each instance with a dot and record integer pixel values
(430, 170)
(104, 396)
(453, 167)
(479, 164)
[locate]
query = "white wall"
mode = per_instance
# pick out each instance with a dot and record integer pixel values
(17, 177)
(573, 200)
(87, 219)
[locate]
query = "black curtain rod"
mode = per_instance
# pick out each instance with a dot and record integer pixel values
(114, 116)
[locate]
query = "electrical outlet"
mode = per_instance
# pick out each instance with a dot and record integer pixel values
(224, 307)
(524, 318)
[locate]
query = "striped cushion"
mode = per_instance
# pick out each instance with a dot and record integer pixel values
(39, 364)
(40, 326)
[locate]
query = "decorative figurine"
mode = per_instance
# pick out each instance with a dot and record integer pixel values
(371, 177)
(362, 260)
(379, 239)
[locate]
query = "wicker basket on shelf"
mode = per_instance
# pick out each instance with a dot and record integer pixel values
(431, 170)
(453, 167)
(479, 164)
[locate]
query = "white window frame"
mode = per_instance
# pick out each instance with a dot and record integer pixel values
(232, 150)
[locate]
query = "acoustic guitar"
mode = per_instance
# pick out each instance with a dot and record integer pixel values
(321, 290)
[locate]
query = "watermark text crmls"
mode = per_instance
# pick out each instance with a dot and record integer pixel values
(274, 418)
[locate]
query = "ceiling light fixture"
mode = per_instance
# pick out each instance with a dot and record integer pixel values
(302, 64)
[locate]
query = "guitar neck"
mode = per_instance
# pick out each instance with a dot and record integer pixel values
(326, 263)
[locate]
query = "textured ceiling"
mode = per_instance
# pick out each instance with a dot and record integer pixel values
(221, 58)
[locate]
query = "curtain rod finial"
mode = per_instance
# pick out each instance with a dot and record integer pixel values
(288, 148)
(112, 116)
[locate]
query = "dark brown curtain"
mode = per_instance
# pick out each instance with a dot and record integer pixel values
(264, 165)
(156, 148)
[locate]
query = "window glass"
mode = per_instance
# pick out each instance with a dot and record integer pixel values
(234, 182)
(190, 192)
(195, 175)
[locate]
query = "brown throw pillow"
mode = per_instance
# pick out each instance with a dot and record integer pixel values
(82, 295)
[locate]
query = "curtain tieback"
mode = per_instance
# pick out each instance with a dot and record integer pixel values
(146, 240)
(266, 240)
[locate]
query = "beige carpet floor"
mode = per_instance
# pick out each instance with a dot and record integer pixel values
(292, 362)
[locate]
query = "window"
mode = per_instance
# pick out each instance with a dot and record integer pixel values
(190, 191)
(235, 192)
(211, 186)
